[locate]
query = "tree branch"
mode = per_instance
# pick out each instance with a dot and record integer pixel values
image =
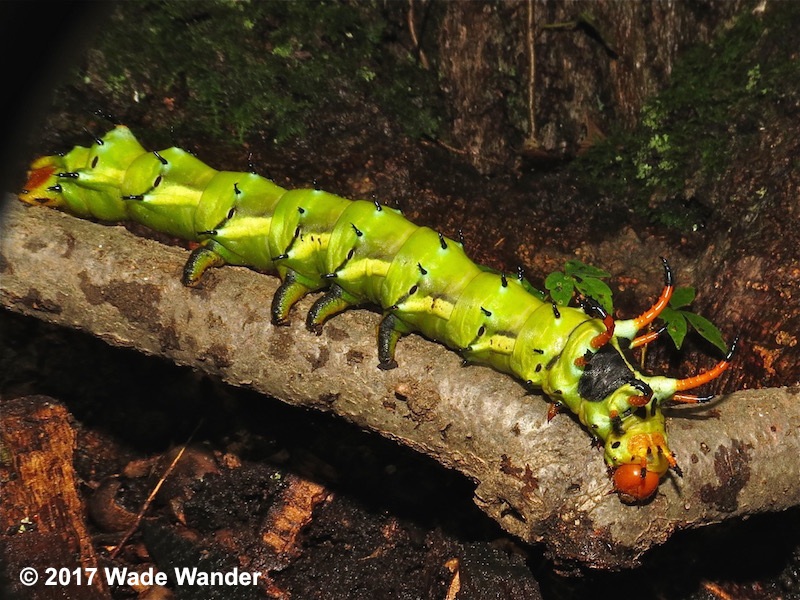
(540, 481)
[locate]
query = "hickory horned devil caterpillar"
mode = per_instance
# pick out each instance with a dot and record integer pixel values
(363, 252)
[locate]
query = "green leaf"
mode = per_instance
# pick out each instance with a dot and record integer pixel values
(676, 325)
(560, 287)
(594, 288)
(682, 296)
(706, 329)
(526, 285)
(578, 269)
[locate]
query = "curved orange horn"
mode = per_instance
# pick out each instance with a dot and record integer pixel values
(652, 313)
(698, 380)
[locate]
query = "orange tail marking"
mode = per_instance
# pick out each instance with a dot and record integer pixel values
(38, 177)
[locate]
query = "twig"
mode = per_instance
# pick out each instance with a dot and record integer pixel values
(532, 141)
(413, 31)
(140, 515)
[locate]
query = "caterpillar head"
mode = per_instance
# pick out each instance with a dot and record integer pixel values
(635, 483)
(619, 406)
(639, 456)
(623, 406)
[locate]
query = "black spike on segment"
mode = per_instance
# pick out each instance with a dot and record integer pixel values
(315, 184)
(236, 189)
(97, 140)
(556, 312)
(378, 206)
(641, 386)
(107, 116)
(442, 242)
(704, 399)
(161, 159)
(55, 188)
(732, 349)
(590, 305)
(422, 269)
(68, 175)
(616, 424)
(359, 233)
(669, 280)
(503, 280)
(133, 197)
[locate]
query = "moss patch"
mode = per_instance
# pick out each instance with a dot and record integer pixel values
(239, 68)
(719, 98)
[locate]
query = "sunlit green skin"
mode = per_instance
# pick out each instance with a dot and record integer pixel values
(360, 252)
(96, 192)
(642, 437)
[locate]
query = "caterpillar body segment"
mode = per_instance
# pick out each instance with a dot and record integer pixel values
(361, 252)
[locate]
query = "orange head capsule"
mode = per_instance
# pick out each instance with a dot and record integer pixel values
(634, 482)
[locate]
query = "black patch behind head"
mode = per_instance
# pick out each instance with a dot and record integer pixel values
(605, 372)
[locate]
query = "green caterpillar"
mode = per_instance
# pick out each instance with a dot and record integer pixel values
(362, 252)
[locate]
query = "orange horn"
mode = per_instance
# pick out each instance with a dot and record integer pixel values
(652, 313)
(698, 380)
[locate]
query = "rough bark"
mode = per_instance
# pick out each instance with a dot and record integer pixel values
(42, 516)
(540, 481)
(594, 65)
